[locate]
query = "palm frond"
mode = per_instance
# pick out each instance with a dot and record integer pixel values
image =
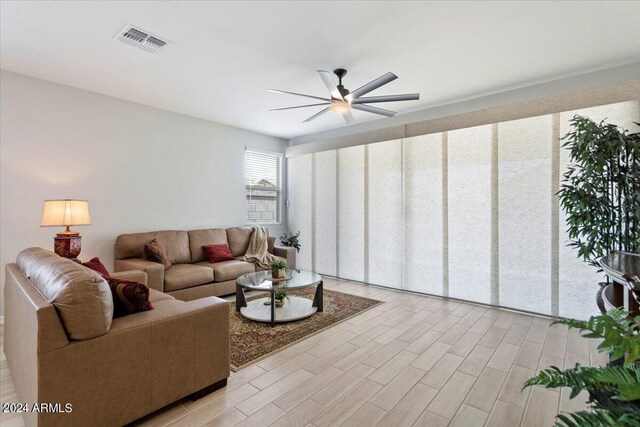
(597, 418)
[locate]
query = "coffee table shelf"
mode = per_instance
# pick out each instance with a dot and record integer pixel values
(294, 308)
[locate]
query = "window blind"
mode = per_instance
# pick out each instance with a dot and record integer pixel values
(263, 187)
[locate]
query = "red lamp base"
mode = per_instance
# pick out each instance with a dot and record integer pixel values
(67, 245)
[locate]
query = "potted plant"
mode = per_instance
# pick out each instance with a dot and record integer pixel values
(280, 297)
(278, 269)
(291, 240)
(614, 391)
(600, 192)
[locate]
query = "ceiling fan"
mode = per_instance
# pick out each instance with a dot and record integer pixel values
(342, 100)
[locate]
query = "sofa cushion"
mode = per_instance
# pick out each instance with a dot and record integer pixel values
(81, 296)
(181, 276)
(238, 238)
(155, 252)
(174, 243)
(229, 270)
(200, 238)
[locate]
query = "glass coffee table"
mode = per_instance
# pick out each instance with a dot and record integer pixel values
(265, 310)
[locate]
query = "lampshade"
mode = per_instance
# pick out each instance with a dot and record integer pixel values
(65, 212)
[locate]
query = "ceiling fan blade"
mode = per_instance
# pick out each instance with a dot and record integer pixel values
(331, 85)
(300, 106)
(348, 117)
(299, 94)
(372, 85)
(374, 110)
(317, 115)
(387, 98)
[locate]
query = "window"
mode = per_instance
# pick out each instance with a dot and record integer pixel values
(263, 174)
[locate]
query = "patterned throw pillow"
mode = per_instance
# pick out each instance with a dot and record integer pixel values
(156, 253)
(129, 297)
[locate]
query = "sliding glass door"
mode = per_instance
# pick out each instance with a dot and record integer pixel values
(470, 213)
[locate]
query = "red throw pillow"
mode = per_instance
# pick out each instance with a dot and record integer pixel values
(96, 265)
(129, 297)
(218, 253)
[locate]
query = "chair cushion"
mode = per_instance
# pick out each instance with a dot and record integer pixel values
(238, 238)
(81, 296)
(157, 296)
(200, 238)
(229, 270)
(181, 276)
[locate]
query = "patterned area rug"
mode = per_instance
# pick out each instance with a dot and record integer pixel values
(252, 341)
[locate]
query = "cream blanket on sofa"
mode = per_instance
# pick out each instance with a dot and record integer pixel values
(257, 250)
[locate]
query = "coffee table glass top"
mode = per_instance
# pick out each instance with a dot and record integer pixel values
(262, 281)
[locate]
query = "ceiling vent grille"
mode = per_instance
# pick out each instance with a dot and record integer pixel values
(141, 39)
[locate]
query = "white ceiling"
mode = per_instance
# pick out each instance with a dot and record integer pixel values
(225, 55)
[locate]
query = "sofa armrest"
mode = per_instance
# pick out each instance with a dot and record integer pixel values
(152, 358)
(135, 275)
(153, 270)
(288, 253)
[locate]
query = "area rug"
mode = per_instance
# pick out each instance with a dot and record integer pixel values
(252, 341)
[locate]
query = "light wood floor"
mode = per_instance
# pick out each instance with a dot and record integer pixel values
(412, 361)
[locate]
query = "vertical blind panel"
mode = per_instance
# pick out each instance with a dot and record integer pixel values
(524, 206)
(423, 213)
(385, 213)
(300, 210)
(470, 213)
(325, 213)
(351, 213)
(578, 280)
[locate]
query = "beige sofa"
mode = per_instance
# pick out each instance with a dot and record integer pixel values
(191, 275)
(64, 347)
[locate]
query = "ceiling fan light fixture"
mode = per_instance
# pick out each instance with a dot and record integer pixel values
(340, 106)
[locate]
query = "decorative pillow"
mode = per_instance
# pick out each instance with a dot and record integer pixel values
(129, 297)
(96, 265)
(155, 252)
(218, 253)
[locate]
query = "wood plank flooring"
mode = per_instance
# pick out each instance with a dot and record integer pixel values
(412, 361)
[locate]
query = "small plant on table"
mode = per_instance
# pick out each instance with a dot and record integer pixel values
(278, 269)
(280, 297)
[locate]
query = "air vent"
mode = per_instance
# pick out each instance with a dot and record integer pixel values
(141, 39)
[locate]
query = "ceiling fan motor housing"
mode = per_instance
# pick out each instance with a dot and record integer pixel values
(341, 72)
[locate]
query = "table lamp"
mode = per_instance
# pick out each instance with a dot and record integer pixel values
(66, 212)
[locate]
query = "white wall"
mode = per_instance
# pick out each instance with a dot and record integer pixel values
(140, 168)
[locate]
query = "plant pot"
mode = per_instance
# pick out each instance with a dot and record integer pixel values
(279, 302)
(278, 274)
